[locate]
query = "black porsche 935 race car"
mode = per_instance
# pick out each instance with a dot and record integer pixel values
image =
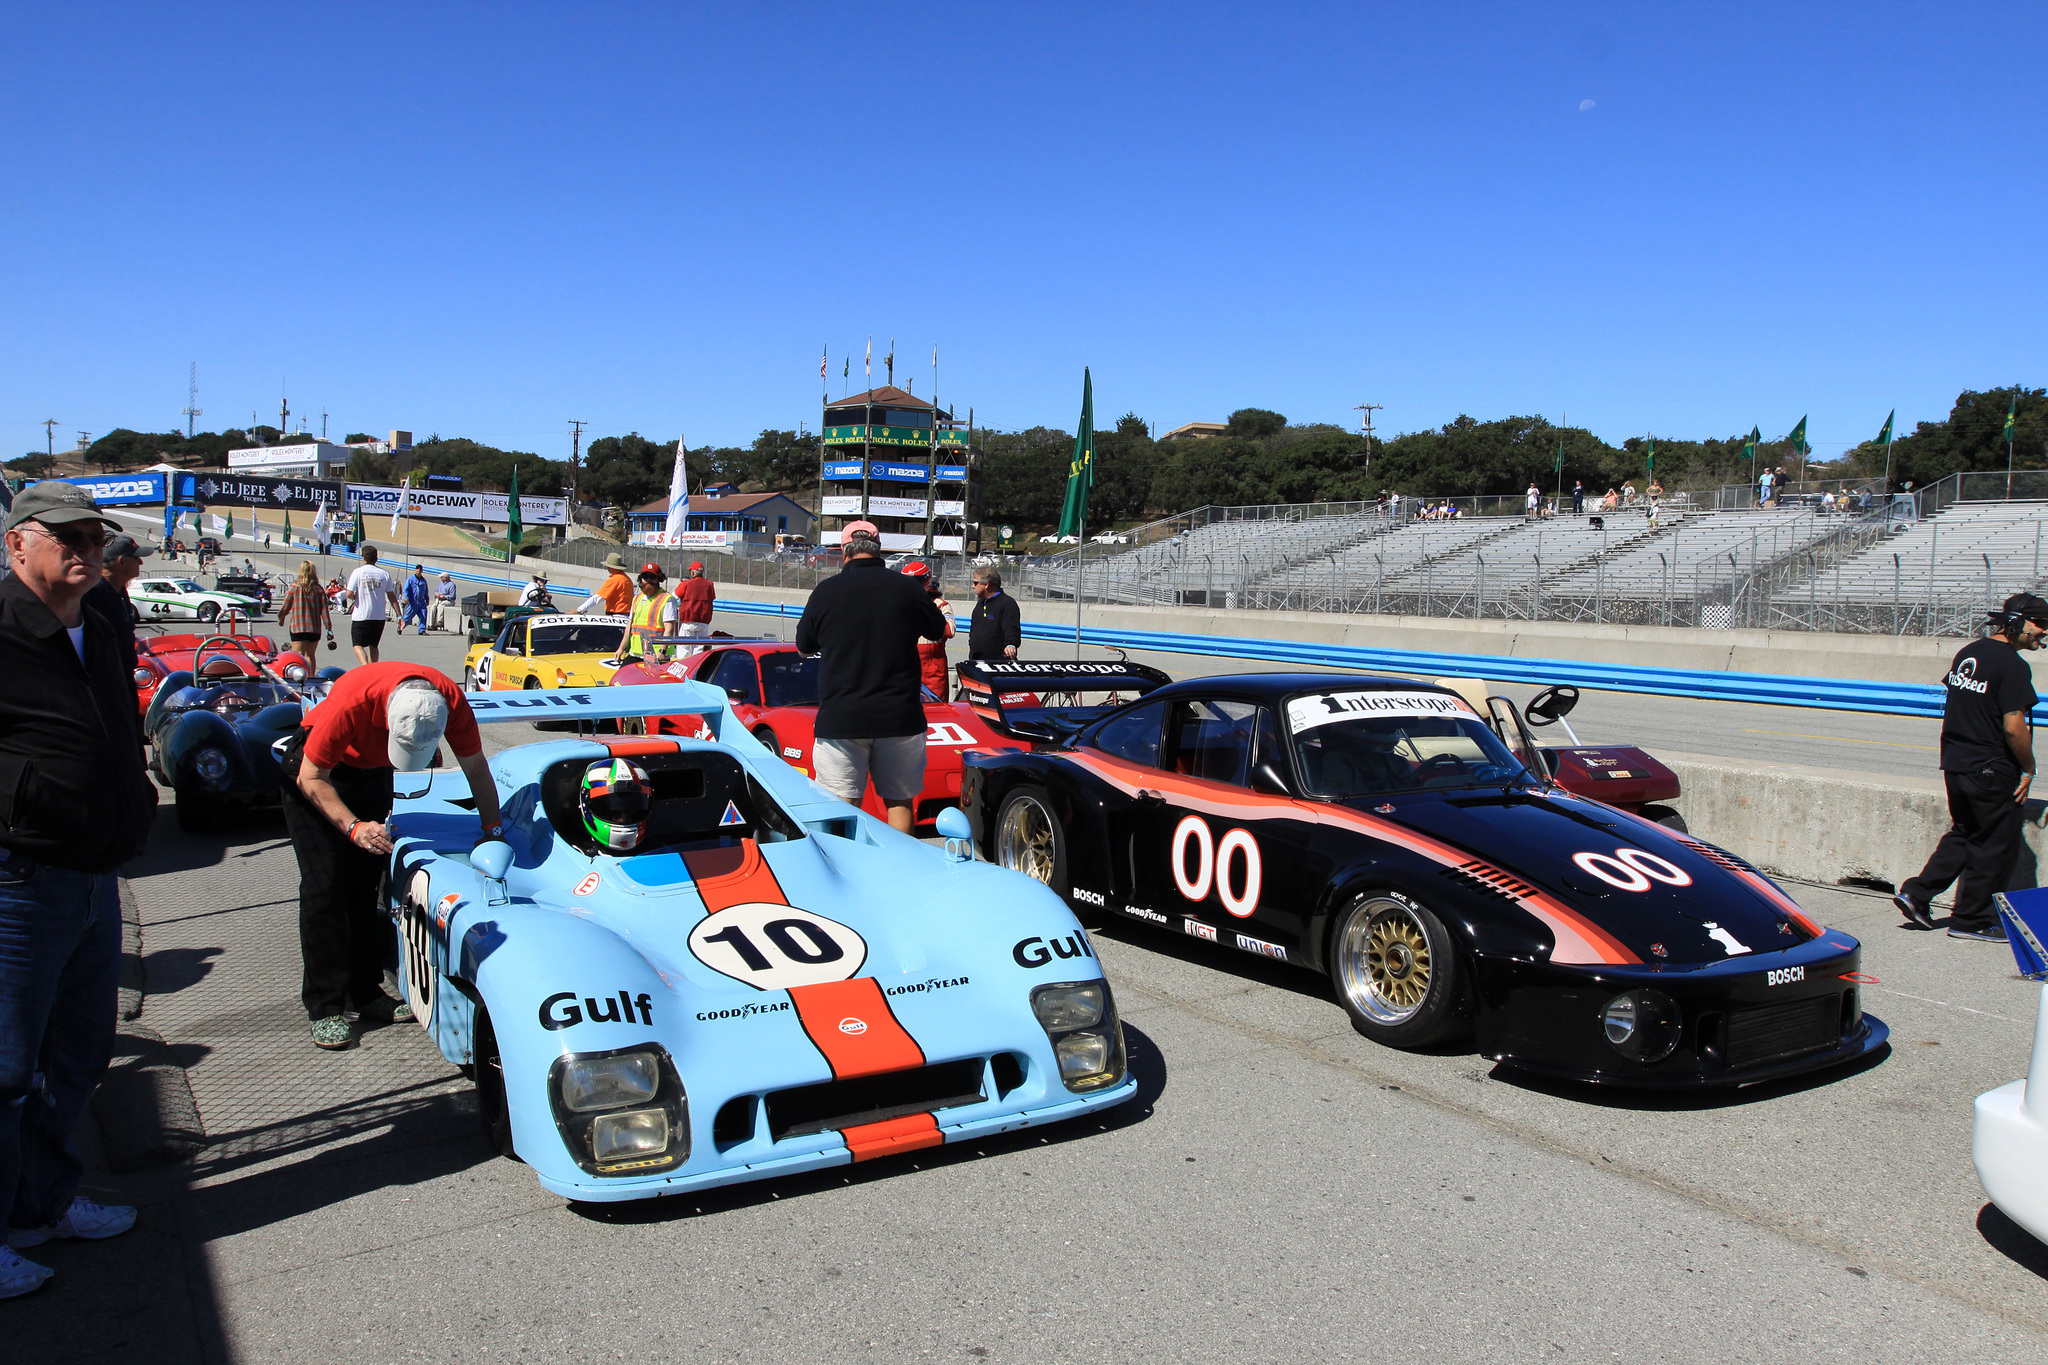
(1381, 831)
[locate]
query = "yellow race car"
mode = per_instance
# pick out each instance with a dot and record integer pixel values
(553, 649)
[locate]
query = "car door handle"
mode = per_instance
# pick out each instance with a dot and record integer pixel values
(1144, 795)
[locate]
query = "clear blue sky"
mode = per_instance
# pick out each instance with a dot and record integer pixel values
(485, 221)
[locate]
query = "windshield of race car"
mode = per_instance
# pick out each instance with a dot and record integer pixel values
(592, 637)
(1366, 743)
(186, 585)
(789, 679)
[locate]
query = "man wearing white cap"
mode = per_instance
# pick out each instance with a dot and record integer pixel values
(377, 719)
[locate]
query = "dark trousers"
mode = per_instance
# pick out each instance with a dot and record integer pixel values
(1981, 846)
(60, 962)
(344, 938)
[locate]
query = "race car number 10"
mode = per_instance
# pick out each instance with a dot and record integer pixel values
(1214, 865)
(775, 947)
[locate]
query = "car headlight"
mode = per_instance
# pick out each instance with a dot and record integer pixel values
(622, 1112)
(144, 678)
(212, 767)
(592, 1083)
(1642, 1025)
(1079, 1018)
(1067, 1007)
(295, 673)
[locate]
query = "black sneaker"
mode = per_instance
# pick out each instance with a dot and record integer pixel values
(1994, 934)
(384, 1010)
(1916, 911)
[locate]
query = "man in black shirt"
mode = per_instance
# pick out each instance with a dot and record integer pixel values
(122, 564)
(74, 805)
(865, 623)
(996, 628)
(1987, 763)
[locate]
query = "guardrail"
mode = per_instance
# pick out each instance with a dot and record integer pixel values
(1826, 694)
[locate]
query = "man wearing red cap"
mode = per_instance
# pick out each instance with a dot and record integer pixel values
(654, 614)
(931, 654)
(694, 602)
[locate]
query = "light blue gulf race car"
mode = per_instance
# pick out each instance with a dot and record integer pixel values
(687, 966)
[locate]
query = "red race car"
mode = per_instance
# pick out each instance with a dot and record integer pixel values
(159, 656)
(774, 692)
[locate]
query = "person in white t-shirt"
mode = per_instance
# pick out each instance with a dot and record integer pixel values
(372, 600)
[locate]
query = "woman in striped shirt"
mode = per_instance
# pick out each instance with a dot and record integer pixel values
(304, 613)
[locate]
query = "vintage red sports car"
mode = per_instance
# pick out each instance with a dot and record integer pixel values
(159, 656)
(774, 692)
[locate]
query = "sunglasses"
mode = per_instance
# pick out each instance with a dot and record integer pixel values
(83, 540)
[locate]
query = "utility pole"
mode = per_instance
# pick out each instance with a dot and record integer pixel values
(323, 424)
(284, 414)
(84, 441)
(50, 437)
(191, 400)
(1366, 422)
(575, 462)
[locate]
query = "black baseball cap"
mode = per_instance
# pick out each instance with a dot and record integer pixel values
(2024, 606)
(54, 503)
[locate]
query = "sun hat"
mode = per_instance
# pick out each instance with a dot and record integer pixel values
(56, 503)
(417, 716)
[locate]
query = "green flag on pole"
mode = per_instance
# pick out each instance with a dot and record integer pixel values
(514, 532)
(1559, 468)
(360, 537)
(1650, 454)
(1798, 438)
(1756, 434)
(227, 530)
(1884, 438)
(1081, 470)
(2011, 411)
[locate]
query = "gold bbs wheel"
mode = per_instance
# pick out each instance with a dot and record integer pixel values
(1029, 838)
(1396, 971)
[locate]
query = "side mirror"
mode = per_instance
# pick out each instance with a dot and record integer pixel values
(1551, 704)
(492, 859)
(958, 833)
(1266, 778)
(737, 693)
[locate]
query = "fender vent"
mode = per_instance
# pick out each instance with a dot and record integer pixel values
(1775, 1032)
(1720, 856)
(1479, 876)
(871, 1099)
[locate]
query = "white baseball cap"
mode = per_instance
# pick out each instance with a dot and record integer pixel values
(417, 716)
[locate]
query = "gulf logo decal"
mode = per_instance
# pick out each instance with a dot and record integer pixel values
(1574, 938)
(753, 934)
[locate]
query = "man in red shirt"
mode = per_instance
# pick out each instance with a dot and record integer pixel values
(695, 601)
(377, 719)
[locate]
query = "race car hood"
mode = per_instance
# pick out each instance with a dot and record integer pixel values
(1611, 887)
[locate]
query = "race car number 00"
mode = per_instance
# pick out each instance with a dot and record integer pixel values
(775, 947)
(1631, 869)
(1212, 865)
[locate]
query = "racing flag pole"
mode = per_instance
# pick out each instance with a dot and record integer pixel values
(1080, 478)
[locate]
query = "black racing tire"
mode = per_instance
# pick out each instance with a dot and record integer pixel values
(491, 1109)
(209, 610)
(532, 684)
(468, 678)
(1027, 837)
(1398, 972)
(1666, 817)
(196, 813)
(768, 739)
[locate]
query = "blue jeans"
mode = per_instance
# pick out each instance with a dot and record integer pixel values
(60, 967)
(414, 613)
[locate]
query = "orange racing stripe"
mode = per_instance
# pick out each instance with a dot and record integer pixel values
(869, 1140)
(852, 1025)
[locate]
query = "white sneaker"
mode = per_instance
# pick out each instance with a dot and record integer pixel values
(83, 1219)
(18, 1277)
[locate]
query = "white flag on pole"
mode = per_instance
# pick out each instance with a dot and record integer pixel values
(320, 525)
(403, 495)
(678, 499)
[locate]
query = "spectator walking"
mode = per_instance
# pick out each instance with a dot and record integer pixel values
(378, 719)
(654, 614)
(864, 623)
(372, 598)
(74, 805)
(695, 601)
(445, 607)
(995, 628)
(1578, 497)
(1987, 764)
(121, 562)
(614, 596)
(415, 599)
(931, 654)
(304, 613)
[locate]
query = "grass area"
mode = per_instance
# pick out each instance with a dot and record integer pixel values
(532, 543)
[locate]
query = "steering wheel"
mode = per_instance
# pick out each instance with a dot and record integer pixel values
(1447, 762)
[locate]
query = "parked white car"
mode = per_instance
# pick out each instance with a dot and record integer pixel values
(182, 599)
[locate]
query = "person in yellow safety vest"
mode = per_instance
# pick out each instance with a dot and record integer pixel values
(654, 614)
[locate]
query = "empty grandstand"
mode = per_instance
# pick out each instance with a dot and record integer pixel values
(1925, 563)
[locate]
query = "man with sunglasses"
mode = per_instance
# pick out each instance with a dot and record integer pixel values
(1987, 764)
(74, 805)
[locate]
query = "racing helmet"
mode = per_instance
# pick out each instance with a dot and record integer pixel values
(614, 796)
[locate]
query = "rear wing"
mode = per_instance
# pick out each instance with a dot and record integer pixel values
(580, 704)
(1043, 700)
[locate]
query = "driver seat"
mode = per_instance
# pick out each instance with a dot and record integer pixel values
(220, 666)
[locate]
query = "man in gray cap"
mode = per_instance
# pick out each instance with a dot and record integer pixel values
(120, 563)
(74, 805)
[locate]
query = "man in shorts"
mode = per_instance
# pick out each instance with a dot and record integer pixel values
(372, 598)
(865, 623)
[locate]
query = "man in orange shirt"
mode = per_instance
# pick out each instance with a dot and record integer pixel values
(377, 719)
(615, 594)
